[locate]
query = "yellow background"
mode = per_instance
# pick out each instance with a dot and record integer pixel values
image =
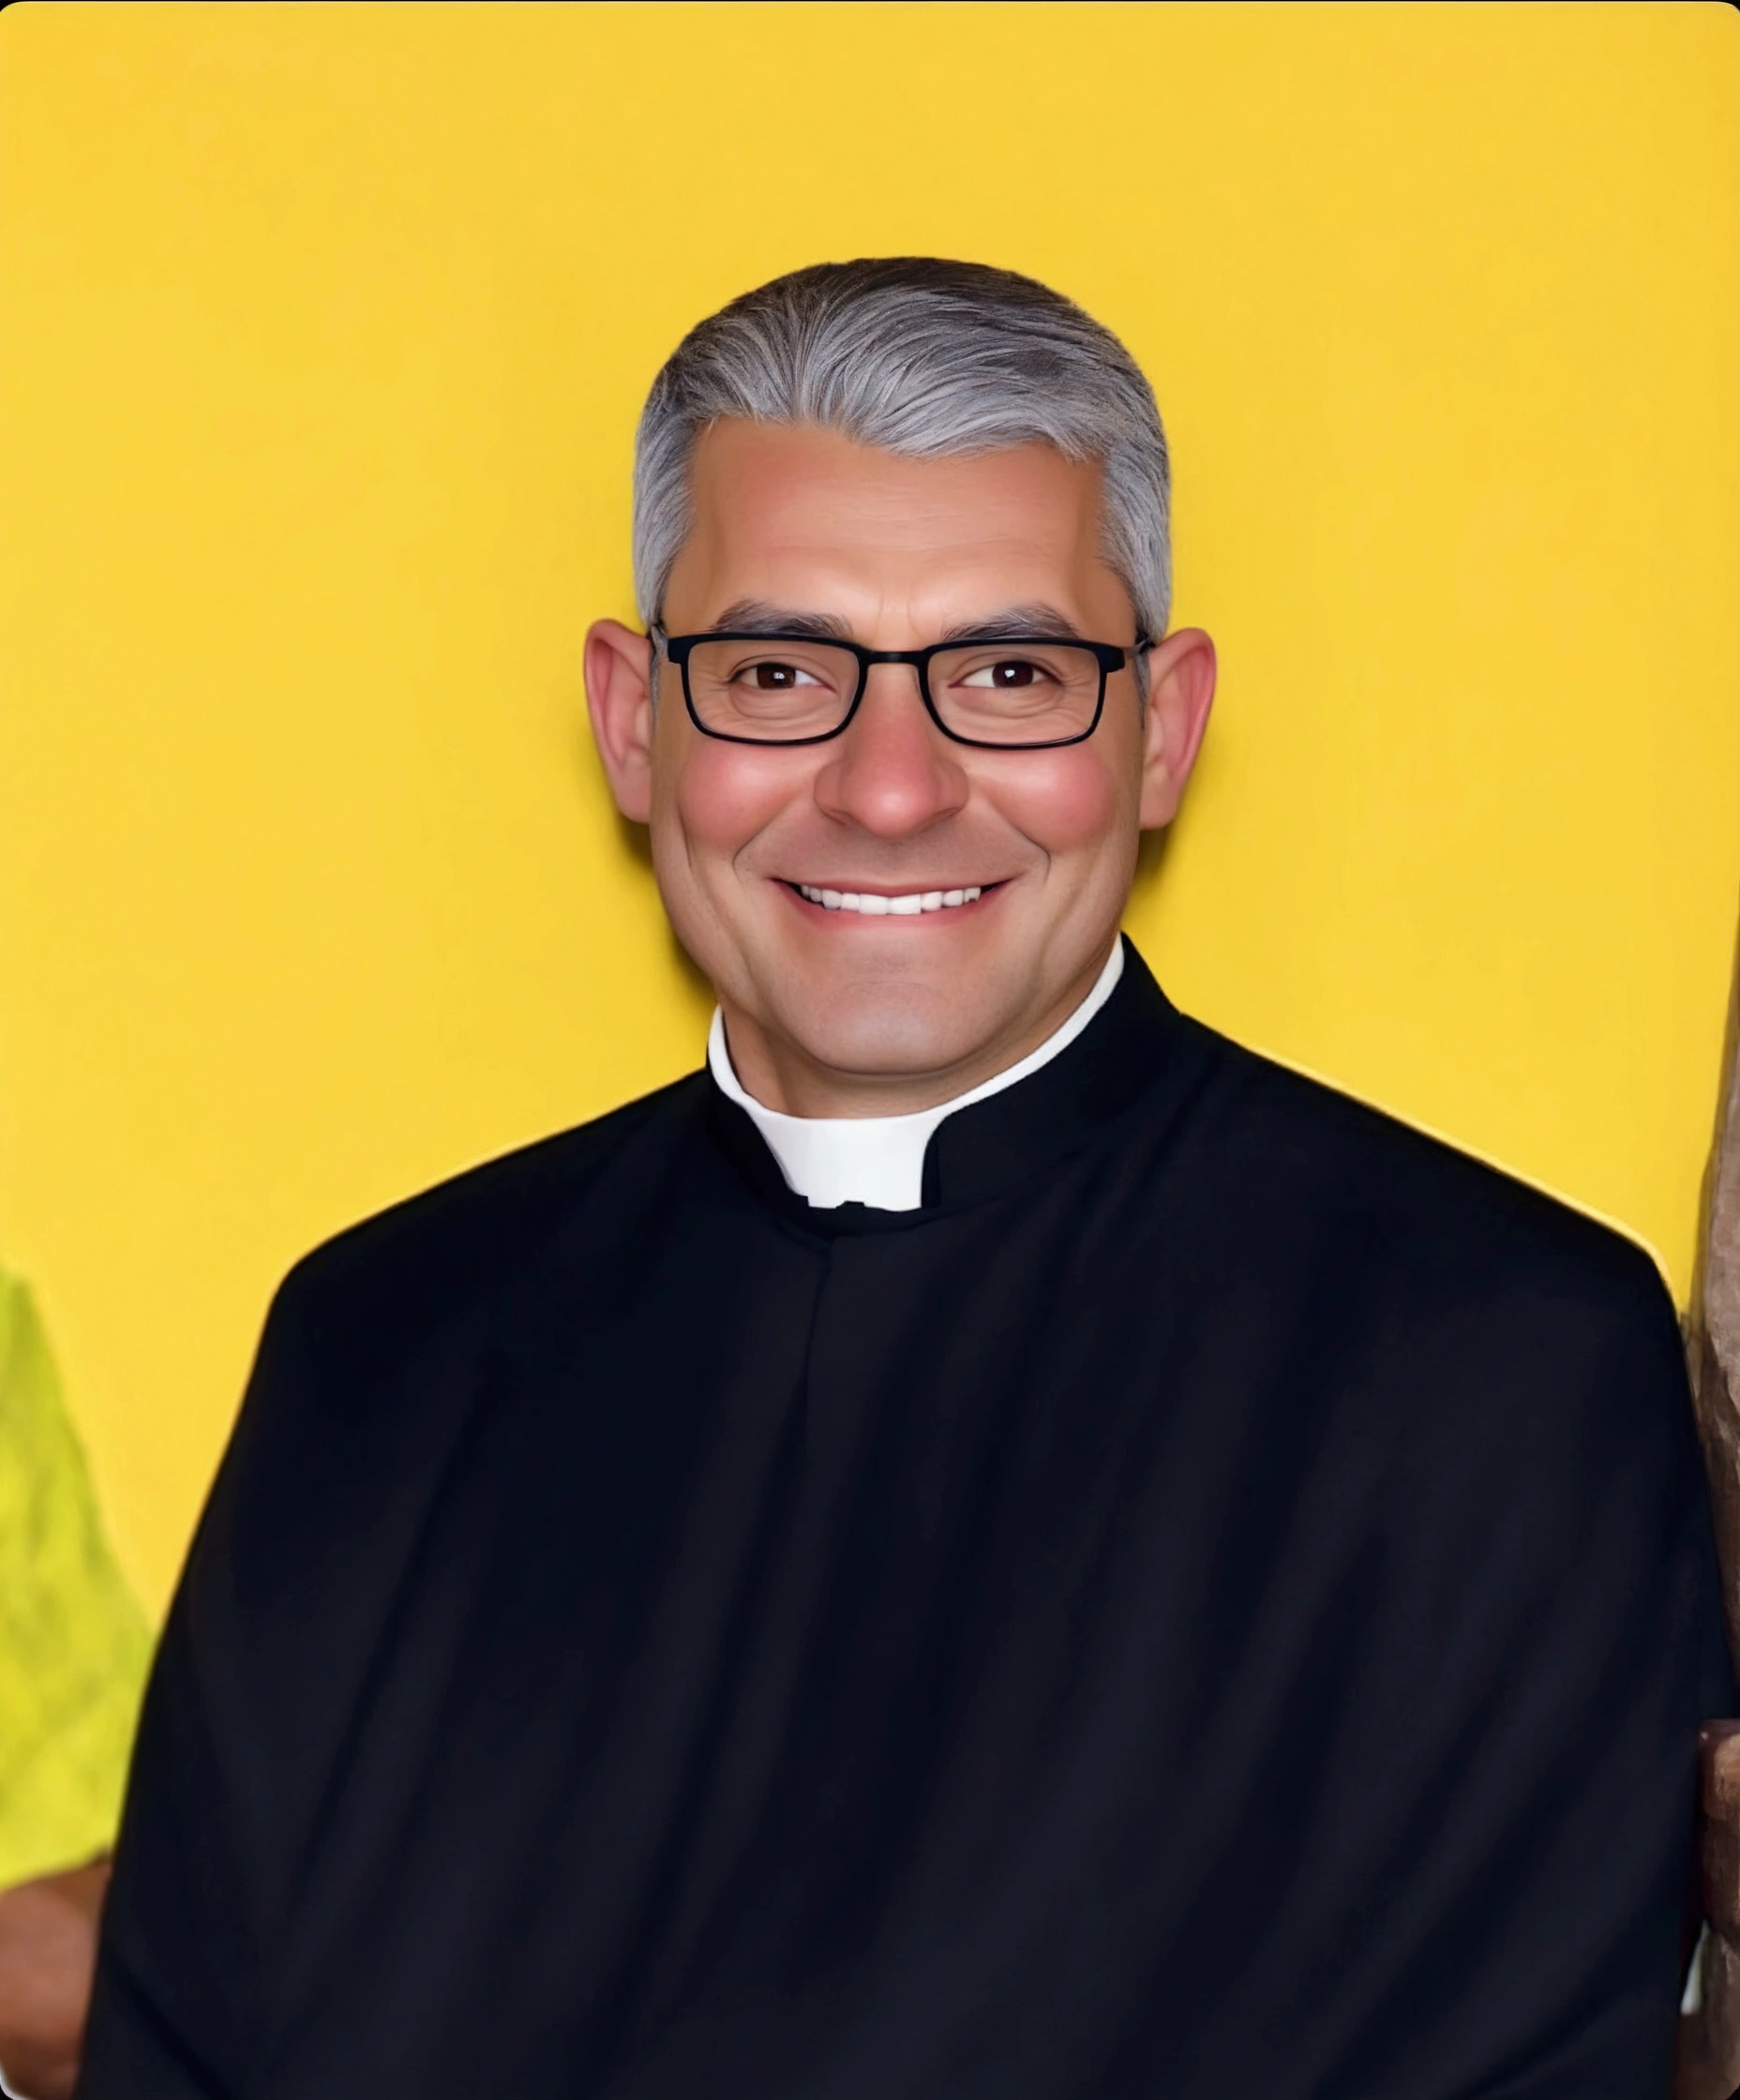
(325, 332)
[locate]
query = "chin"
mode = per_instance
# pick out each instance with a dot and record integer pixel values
(901, 1031)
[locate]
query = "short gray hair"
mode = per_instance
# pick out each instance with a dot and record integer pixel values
(926, 359)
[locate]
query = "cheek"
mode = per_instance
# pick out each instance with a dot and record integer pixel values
(718, 797)
(1071, 803)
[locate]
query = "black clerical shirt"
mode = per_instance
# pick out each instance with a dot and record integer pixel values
(1217, 1604)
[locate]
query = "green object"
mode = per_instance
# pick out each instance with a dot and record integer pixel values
(74, 1642)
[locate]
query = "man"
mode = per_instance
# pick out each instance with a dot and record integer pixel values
(991, 1542)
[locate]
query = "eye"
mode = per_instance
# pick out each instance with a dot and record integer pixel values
(770, 675)
(1009, 674)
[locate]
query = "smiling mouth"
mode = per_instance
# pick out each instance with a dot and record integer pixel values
(909, 906)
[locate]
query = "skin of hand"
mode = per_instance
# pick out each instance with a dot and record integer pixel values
(48, 1950)
(834, 1012)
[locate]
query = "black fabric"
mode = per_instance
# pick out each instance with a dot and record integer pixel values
(1217, 1602)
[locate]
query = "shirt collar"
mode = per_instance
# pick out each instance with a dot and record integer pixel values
(879, 1161)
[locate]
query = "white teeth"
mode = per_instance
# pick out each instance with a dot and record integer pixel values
(873, 907)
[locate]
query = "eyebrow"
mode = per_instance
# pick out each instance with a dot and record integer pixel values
(755, 616)
(1042, 623)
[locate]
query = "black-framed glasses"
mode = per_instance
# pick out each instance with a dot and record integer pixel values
(998, 692)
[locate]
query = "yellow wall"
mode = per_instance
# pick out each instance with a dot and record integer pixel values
(324, 330)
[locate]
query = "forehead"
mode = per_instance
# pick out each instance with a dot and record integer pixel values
(805, 517)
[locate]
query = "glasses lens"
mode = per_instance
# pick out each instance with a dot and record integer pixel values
(1015, 693)
(772, 692)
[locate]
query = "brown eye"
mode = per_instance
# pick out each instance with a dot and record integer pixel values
(1009, 674)
(774, 678)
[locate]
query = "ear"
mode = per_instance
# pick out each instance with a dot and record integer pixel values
(618, 696)
(1180, 692)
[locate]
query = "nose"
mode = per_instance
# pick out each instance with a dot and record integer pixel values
(892, 771)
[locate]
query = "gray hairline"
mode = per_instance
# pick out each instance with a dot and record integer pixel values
(650, 593)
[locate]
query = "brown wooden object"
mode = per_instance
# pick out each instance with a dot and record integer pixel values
(1709, 2065)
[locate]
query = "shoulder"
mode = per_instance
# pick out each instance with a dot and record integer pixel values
(1449, 1235)
(423, 1262)
(1518, 1361)
(380, 1344)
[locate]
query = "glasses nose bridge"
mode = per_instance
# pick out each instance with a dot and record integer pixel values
(916, 660)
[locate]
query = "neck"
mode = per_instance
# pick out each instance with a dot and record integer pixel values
(780, 1074)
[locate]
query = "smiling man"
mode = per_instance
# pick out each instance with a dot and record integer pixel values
(902, 876)
(990, 1542)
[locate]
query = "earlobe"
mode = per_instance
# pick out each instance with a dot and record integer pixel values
(620, 701)
(1181, 676)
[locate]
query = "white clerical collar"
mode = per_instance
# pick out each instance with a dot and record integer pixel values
(879, 1159)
